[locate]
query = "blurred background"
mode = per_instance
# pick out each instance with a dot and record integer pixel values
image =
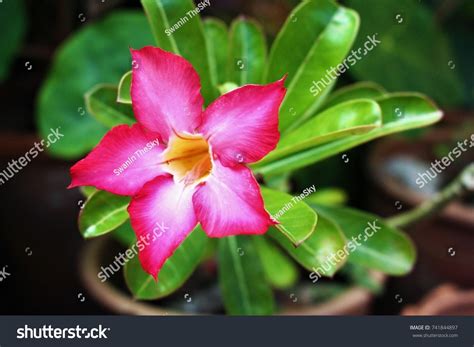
(53, 51)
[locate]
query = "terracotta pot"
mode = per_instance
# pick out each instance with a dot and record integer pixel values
(444, 241)
(355, 301)
(445, 300)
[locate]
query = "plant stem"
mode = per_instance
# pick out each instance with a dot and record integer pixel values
(462, 184)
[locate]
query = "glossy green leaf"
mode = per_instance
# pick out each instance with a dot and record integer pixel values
(101, 103)
(402, 60)
(217, 40)
(279, 270)
(371, 242)
(361, 90)
(125, 234)
(97, 53)
(296, 219)
(345, 119)
(247, 52)
(315, 38)
(87, 191)
(13, 28)
(328, 196)
(102, 213)
(177, 29)
(123, 94)
(319, 253)
(400, 112)
(175, 271)
(242, 279)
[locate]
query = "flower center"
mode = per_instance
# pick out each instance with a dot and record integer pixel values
(188, 158)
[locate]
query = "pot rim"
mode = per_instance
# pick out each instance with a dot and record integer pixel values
(442, 300)
(353, 299)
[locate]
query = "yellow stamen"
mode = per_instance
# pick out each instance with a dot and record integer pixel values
(188, 158)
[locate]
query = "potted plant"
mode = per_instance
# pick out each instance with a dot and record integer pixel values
(310, 238)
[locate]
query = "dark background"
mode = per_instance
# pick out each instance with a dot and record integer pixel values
(39, 239)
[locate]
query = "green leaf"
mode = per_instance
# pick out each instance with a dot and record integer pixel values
(400, 112)
(216, 37)
(125, 234)
(280, 271)
(371, 242)
(247, 52)
(279, 182)
(424, 64)
(101, 103)
(241, 278)
(123, 94)
(296, 219)
(102, 213)
(98, 53)
(361, 90)
(13, 27)
(175, 271)
(315, 38)
(177, 30)
(227, 87)
(345, 119)
(87, 191)
(328, 196)
(316, 253)
(361, 277)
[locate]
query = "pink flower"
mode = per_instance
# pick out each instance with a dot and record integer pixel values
(183, 165)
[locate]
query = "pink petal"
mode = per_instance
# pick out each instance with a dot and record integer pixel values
(124, 160)
(165, 92)
(229, 202)
(242, 125)
(162, 215)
